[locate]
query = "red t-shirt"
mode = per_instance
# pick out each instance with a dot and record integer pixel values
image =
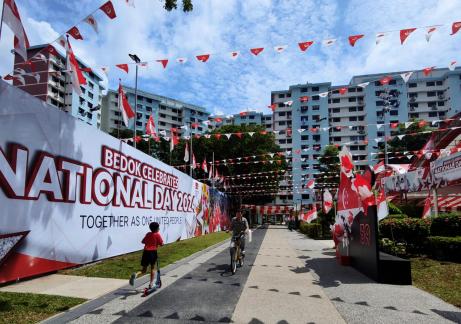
(152, 241)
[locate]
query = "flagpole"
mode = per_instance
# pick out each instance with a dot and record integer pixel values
(191, 151)
(136, 103)
(66, 75)
(1, 21)
(212, 176)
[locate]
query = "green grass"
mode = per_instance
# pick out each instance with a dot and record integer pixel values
(442, 279)
(32, 308)
(121, 267)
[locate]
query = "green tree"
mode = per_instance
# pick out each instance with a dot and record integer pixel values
(329, 166)
(412, 142)
(187, 5)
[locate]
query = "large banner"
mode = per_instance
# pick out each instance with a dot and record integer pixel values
(446, 169)
(71, 194)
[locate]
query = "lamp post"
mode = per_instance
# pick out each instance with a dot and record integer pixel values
(390, 101)
(137, 60)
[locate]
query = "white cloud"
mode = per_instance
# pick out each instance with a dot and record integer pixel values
(217, 27)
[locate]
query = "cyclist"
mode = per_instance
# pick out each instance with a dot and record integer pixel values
(239, 225)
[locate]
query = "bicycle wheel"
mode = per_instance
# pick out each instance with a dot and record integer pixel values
(233, 264)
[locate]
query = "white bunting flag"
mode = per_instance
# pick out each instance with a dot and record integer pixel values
(234, 55)
(378, 126)
(400, 136)
(288, 103)
(429, 32)
(380, 37)
(280, 48)
(363, 85)
(323, 94)
(181, 60)
(452, 66)
(406, 76)
(300, 130)
(408, 124)
(93, 23)
(228, 135)
(329, 42)
(251, 134)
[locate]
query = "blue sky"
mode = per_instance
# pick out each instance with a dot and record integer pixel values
(226, 86)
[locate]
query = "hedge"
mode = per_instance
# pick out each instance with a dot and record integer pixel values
(446, 225)
(313, 230)
(412, 231)
(445, 248)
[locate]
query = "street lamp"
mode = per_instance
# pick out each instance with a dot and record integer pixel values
(390, 98)
(137, 60)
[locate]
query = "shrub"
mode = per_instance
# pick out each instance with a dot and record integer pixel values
(445, 248)
(312, 230)
(397, 216)
(412, 210)
(411, 231)
(393, 209)
(391, 247)
(446, 225)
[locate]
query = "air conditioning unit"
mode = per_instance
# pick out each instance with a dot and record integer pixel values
(412, 99)
(441, 97)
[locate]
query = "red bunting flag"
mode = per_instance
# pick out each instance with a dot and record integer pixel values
(217, 135)
(150, 127)
(327, 201)
(256, 51)
(342, 90)
(137, 139)
(304, 99)
(12, 19)
(303, 46)
(385, 80)
(238, 134)
(234, 54)
(76, 75)
(428, 70)
(52, 50)
(314, 129)
(272, 107)
(455, 27)
(394, 125)
(123, 67)
(124, 106)
(243, 113)
(263, 132)
(194, 125)
(203, 58)
(404, 33)
(75, 33)
(218, 120)
(310, 184)
(422, 123)
(163, 62)
(354, 39)
(204, 166)
(108, 9)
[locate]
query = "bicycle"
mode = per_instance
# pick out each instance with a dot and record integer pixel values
(236, 253)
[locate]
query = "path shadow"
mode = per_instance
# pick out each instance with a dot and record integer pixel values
(449, 315)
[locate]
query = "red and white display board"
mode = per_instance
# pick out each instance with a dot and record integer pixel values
(71, 194)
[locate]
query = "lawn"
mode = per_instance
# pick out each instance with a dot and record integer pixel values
(442, 279)
(121, 267)
(32, 308)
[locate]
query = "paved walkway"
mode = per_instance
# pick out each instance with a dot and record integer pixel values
(287, 278)
(70, 286)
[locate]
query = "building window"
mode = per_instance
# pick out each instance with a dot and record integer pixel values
(379, 103)
(394, 112)
(282, 95)
(282, 123)
(352, 99)
(352, 109)
(315, 89)
(412, 85)
(336, 110)
(315, 107)
(282, 141)
(282, 113)
(431, 94)
(251, 117)
(353, 118)
(315, 98)
(303, 89)
(440, 103)
(433, 114)
(336, 100)
(304, 137)
(439, 83)
(430, 84)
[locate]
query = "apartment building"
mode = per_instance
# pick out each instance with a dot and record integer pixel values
(168, 113)
(304, 122)
(47, 80)
(244, 118)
